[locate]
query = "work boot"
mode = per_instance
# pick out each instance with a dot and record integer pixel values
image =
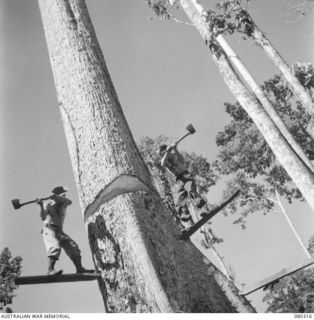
(51, 267)
(186, 229)
(77, 260)
(199, 202)
(184, 214)
(203, 214)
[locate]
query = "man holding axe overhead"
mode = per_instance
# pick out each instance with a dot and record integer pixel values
(52, 213)
(186, 187)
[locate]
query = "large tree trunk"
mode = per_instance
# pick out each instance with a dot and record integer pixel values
(133, 238)
(295, 167)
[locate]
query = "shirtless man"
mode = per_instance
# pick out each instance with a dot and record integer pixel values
(186, 187)
(52, 213)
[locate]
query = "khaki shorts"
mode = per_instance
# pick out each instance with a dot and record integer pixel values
(55, 239)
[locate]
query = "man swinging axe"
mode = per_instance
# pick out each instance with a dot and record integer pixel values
(174, 162)
(52, 213)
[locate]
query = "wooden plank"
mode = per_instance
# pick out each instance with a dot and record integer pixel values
(58, 278)
(277, 276)
(186, 235)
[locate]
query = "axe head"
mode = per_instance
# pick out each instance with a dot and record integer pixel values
(16, 203)
(190, 128)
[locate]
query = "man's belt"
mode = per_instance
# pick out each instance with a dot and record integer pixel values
(52, 226)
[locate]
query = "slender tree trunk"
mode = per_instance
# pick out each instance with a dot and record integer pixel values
(295, 85)
(275, 57)
(281, 64)
(297, 170)
(222, 265)
(293, 229)
(133, 238)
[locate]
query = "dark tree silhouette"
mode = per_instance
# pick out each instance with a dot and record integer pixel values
(10, 269)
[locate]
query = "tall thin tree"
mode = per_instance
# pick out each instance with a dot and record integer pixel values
(247, 24)
(256, 89)
(295, 167)
(133, 238)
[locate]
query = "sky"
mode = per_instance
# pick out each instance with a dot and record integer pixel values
(165, 79)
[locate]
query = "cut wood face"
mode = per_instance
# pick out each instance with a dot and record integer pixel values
(121, 185)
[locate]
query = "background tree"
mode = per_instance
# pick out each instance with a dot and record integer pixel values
(243, 150)
(10, 269)
(245, 156)
(234, 16)
(294, 293)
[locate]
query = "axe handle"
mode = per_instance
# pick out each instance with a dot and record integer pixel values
(32, 201)
(179, 140)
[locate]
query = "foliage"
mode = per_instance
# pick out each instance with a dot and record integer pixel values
(230, 16)
(305, 73)
(10, 269)
(295, 293)
(245, 155)
(311, 246)
(161, 8)
(149, 149)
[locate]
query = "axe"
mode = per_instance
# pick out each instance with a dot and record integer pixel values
(17, 205)
(190, 130)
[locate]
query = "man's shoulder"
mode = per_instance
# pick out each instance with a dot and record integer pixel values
(47, 204)
(61, 200)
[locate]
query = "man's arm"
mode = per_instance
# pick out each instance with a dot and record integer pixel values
(61, 199)
(42, 208)
(165, 157)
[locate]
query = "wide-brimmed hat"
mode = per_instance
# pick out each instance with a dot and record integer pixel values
(60, 190)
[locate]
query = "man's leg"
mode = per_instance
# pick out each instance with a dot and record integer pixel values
(190, 188)
(53, 249)
(74, 253)
(181, 205)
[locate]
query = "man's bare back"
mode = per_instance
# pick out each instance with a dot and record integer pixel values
(54, 211)
(174, 161)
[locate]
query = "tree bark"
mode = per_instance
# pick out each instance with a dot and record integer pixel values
(133, 238)
(297, 170)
